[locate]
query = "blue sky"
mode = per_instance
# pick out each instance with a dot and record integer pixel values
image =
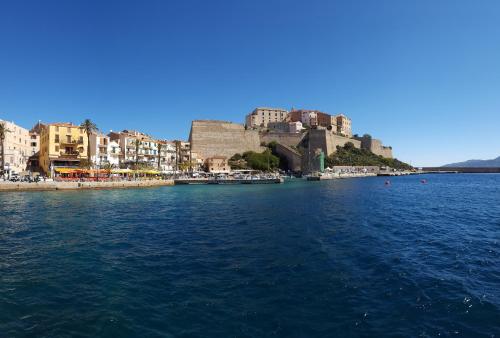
(424, 76)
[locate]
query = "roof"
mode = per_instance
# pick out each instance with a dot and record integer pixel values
(62, 124)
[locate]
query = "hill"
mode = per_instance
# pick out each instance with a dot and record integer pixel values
(476, 163)
(349, 155)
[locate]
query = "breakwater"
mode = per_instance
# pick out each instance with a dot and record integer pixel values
(47, 186)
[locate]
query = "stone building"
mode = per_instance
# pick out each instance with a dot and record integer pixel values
(260, 117)
(18, 147)
(217, 165)
(344, 125)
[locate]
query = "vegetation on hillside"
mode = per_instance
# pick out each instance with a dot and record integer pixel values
(349, 155)
(264, 161)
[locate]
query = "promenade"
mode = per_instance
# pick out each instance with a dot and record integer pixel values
(47, 186)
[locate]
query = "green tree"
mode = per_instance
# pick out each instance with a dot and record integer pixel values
(90, 128)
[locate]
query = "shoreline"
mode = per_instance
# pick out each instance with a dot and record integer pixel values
(56, 186)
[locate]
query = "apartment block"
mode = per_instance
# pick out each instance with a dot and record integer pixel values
(260, 117)
(62, 145)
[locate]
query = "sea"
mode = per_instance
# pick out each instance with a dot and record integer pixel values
(418, 256)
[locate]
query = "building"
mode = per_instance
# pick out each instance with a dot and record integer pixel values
(104, 151)
(260, 117)
(62, 145)
(169, 156)
(311, 118)
(285, 127)
(217, 165)
(344, 125)
(18, 148)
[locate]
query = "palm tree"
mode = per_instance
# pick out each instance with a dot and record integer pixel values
(3, 134)
(108, 167)
(159, 155)
(137, 143)
(90, 128)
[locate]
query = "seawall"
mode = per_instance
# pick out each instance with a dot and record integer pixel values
(48, 186)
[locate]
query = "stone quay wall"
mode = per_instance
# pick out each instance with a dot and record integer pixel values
(47, 186)
(210, 138)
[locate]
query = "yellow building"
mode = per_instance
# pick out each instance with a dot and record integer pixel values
(62, 145)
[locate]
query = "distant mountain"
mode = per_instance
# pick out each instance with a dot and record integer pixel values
(476, 163)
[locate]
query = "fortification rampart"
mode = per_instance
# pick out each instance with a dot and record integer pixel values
(328, 141)
(287, 139)
(220, 138)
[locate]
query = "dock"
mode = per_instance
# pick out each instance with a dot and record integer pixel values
(182, 181)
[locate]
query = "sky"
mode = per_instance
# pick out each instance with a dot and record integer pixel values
(423, 76)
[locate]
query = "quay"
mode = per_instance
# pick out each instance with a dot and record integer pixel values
(55, 185)
(182, 181)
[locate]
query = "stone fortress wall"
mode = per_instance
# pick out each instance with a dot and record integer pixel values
(375, 146)
(210, 138)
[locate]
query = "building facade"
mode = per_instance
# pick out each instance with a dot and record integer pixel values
(260, 117)
(62, 145)
(217, 165)
(17, 148)
(344, 126)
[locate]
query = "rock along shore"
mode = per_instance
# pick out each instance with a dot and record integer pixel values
(47, 186)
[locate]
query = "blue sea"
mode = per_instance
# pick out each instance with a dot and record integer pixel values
(343, 258)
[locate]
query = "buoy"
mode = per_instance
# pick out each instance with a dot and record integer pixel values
(387, 182)
(423, 181)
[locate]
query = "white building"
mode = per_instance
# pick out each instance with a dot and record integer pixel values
(103, 151)
(295, 127)
(18, 147)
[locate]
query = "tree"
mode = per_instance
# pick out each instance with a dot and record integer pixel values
(107, 168)
(160, 146)
(137, 143)
(3, 134)
(90, 128)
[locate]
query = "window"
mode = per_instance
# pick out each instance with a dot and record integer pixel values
(57, 148)
(57, 128)
(81, 139)
(56, 138)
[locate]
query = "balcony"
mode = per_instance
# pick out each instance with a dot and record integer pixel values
(70, 142)
(69, 154)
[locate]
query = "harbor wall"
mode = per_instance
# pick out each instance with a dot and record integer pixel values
(44, 186)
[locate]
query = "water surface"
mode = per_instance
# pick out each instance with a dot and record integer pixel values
(343, 258)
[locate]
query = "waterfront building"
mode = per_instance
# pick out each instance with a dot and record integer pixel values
(18, 148)
(62, 145)
(344, 126)
(260, 117)
(168, 156)
(104, 151)
(217, 165)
